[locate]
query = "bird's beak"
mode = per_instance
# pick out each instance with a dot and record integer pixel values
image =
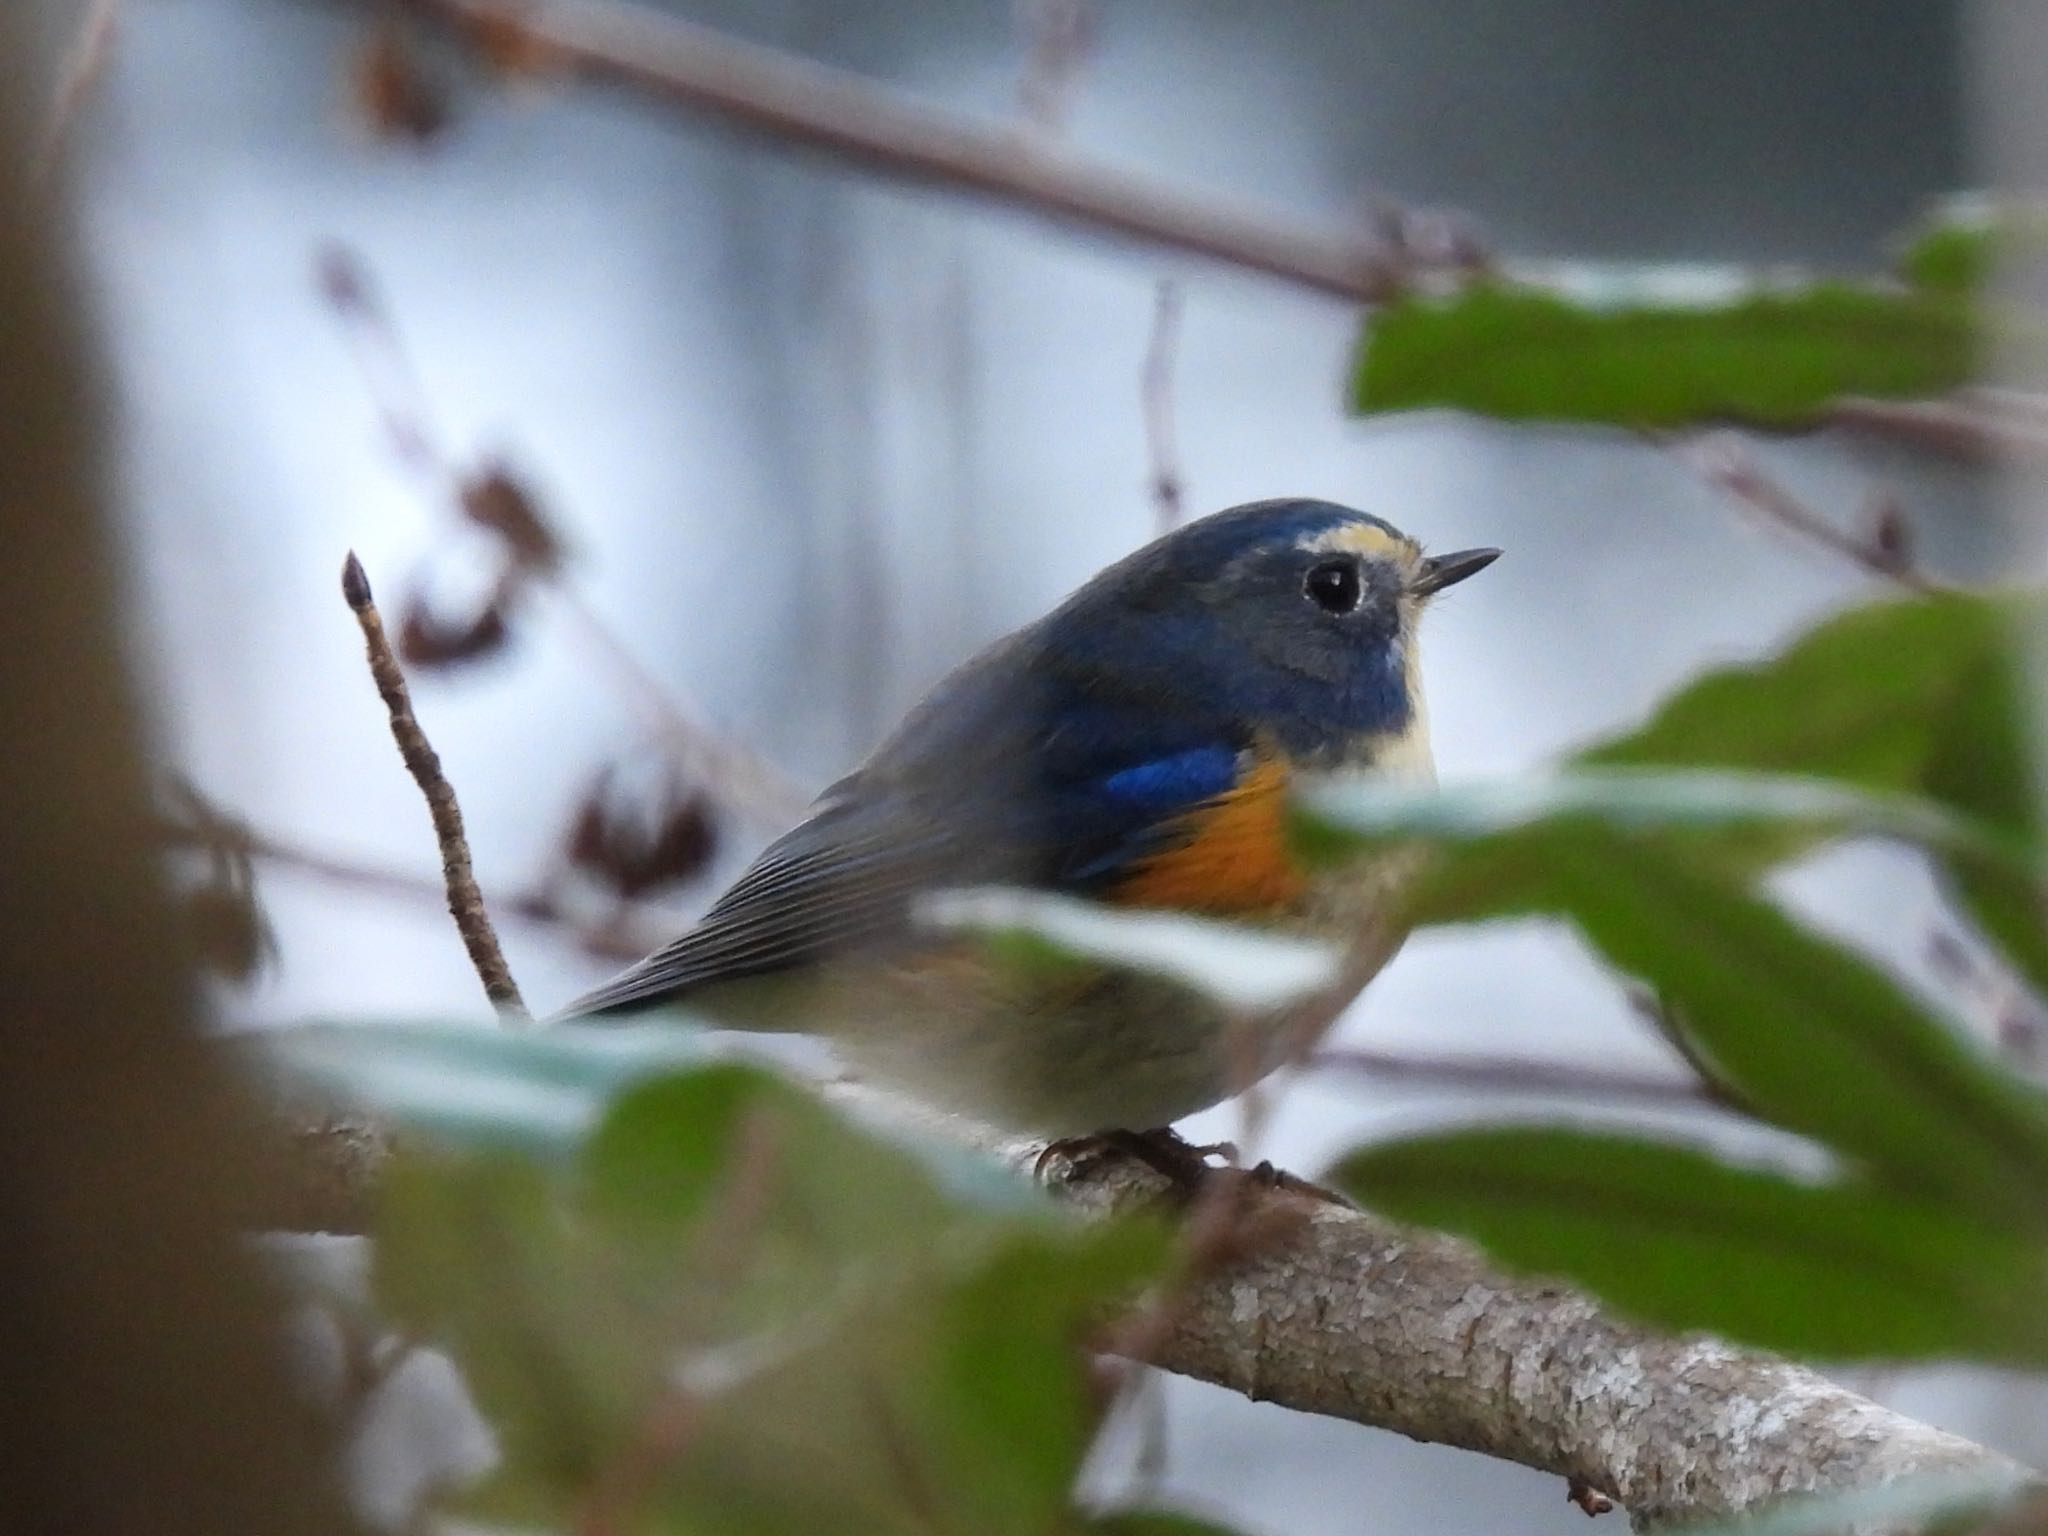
(1440, 571)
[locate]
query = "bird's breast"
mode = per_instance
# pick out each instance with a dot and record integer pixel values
(1233, 856)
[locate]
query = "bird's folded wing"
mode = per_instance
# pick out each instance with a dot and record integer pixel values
(848, 879)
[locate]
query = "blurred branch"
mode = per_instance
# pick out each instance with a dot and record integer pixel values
(1517, 1075)
(627, 934)
(1724, 462)
(1338, 1312)
(837, 113)
(1975, 425)
(494, 498)
(465, 901)
(1156, 397)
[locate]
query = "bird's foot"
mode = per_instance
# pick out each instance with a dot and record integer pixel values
(1185, 1167)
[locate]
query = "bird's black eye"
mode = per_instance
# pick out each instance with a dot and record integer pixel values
(1335, 586)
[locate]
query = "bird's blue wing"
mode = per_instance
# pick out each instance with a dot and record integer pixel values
(1051, 788)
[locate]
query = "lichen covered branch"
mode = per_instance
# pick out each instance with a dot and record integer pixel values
(465, 901)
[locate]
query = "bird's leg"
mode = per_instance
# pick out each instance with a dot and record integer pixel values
(1185, 1166)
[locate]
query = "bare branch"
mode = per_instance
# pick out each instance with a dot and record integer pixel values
(1975, 426)
(837, 113)
(1517, 1074)
(465, 901)
(1723, 461)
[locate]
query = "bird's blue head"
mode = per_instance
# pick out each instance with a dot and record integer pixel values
(1292, 620)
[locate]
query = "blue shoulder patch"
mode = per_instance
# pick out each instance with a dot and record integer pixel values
(1171, 783)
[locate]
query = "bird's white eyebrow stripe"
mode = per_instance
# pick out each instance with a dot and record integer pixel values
(1359, 539)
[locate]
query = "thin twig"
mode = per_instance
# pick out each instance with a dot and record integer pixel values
(465, 901)
(1724, 462)
(1514, 1075)
(832, 111)
(1975, 427)
(1156, 396)
(85, 65)
(626, 935)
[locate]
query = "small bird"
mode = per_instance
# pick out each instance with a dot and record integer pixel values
(1134, 746)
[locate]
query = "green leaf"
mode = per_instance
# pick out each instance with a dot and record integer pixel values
(1811, 1035)
(1959, 249)
(1237, 966)
(859, 1349)
(961, 1403)
(537, 1091)
(478, 1254)
(1332, 818)
(1773, 358)
(696, 1178)
(1983, 762)
(1681, 1240)
(1857, 698)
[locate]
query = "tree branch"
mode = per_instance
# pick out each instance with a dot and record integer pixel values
(465, 901)
(1339, 1312)
(838, 113)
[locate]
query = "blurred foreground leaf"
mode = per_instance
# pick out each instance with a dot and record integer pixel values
(1983, 762)
(750, 1314)
(1773, 358)
(1859, 697)
(1960, 247)
(1237, 966)
(1681, 1240)
(537, 1091)
(1807, 1033)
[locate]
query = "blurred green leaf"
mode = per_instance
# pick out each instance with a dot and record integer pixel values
(1332, 818)
(1857, 698)
(854, 1348)
(1679, 1239)
(958, 1403)
(1960, 247)
(1238, 966)
(479, 1255)
(1983, 762)
(1812, 1036)
(1773, 358)
(537, 1091)
(729, 1170)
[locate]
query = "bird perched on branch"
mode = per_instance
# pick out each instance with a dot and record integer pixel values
(1135, 746)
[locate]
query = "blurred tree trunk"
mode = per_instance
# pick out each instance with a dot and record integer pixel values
(143, 1385)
